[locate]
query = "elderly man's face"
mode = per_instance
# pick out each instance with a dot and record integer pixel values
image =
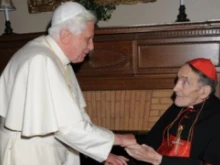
(80, 45)
(187, 89)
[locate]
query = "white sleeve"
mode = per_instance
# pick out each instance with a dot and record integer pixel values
(87, 138)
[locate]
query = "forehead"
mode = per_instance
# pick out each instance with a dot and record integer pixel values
(187, 72)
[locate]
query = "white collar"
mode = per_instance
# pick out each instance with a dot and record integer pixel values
(57, 50)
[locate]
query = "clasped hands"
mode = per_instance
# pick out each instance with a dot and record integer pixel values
(140, 152)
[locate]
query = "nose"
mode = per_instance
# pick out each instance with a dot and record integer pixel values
(177, 87)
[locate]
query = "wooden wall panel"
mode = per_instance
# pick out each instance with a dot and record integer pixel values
(168, 58)
(109, 58)
(128, 110)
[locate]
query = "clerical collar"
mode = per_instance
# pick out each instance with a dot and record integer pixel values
(57, 50)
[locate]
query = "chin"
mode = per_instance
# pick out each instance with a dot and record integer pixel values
(81, 59)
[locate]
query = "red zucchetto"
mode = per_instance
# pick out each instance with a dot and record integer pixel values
(205, 66)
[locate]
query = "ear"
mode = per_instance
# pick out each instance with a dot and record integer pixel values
(205, 91)
(65, 37)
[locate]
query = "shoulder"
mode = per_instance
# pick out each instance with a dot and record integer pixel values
(213, 104)
(211, 111)
(35, 55)
(34, 51)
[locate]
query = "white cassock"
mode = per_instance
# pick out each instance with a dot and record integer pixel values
(43, 121)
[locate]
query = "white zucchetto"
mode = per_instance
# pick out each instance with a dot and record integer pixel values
(66, 11)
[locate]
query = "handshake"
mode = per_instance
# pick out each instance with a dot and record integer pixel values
(140, 152)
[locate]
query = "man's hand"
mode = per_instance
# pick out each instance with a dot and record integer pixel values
(144, 153)
(125, 140)
(115, 160)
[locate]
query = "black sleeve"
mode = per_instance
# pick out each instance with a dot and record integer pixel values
(212, 152)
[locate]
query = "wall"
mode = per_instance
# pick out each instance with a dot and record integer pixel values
(161, 11)
(130, 110)
(124, 110)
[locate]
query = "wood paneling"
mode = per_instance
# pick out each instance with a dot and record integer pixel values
(109, 58)
(161, 58)
(128, 110)
(140, 57)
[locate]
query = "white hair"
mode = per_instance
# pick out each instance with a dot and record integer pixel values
(76, 24)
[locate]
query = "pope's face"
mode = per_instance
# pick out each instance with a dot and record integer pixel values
(80, 45)
(187, 88)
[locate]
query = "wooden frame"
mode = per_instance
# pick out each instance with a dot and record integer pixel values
(38, 6)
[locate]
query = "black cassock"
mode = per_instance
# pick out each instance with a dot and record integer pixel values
(201, 126)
